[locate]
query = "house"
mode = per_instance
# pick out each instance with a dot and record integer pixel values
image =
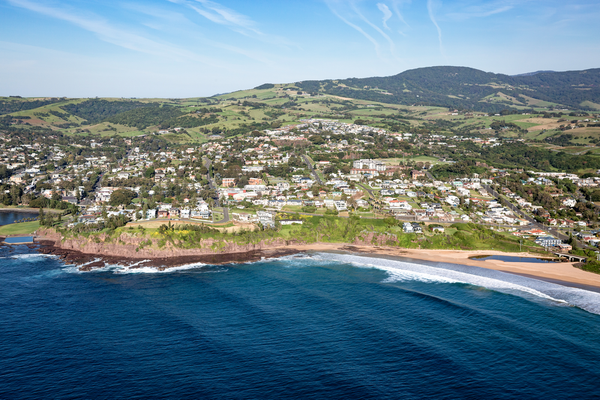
(103, 194)
(163, 213)
(417, 228)
(228, 182)
(548, 241)
(417, 174)
(87, 219)
(291, 222)
(265, 218)
(70, 199)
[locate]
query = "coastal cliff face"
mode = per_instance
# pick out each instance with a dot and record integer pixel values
(130, 246)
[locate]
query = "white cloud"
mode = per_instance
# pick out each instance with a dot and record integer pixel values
(357, 28)
(111, 34)
(430, 7)
(387, 14)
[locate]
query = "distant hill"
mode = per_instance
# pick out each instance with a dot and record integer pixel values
(533, 73)
(468, 88)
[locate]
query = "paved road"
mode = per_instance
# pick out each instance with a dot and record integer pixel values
(225, 216)
(211, 183)
(312, 170)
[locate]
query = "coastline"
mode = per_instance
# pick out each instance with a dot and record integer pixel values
(563, 272)
(552, 272)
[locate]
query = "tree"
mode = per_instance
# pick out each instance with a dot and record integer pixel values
(149, 173)
(121, 197)
(242, 181)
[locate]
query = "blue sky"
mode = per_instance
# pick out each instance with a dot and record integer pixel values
(185, 48)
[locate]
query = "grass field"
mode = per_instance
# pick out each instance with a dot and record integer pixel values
(22, 228)
(423, 159)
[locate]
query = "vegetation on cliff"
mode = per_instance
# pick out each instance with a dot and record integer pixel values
(315, 229)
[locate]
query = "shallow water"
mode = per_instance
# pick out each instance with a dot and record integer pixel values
(514, 259)
(310, 326)
(8, 217)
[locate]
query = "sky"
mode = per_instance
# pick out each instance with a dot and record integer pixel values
(191, 48)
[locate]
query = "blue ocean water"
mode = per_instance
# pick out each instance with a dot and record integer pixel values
(309, 326)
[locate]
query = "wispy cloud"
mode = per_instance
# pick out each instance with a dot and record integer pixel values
(372, 25)
(481, 11)
(359, 29)
(357, 15)
(387, 14)
(112, 34)
(221, 15)
(430, 7)
(175, 22)
(232, 20)
(397, 11)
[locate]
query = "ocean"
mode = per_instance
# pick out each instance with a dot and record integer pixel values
(320, 325)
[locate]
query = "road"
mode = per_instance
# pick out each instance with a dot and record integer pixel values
(211, 183)
(312, 170)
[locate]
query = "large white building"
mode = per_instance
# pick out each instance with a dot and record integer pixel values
(369, 164)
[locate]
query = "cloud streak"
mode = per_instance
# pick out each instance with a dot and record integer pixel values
(111, 34)
(387, 14)
(430, 6)
(372, 25)
(221, 15)
(359, 29)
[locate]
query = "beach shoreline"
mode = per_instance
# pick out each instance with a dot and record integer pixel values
(551, 272)
(557, 272)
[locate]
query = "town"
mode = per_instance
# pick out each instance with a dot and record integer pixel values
(316, 167)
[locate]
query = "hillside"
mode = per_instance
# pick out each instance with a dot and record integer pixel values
(418, 101)
(468, 88)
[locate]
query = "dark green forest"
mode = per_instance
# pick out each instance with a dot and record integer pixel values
(433, 85)
(98, 110)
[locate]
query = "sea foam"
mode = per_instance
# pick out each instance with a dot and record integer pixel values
(399, 271)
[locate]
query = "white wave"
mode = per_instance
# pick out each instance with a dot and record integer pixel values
(31, 257)
(135, 269)
(399, 271)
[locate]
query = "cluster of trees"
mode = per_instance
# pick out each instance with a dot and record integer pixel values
(97, 110)
(48, 219)
(122, 197)
(521, 155)
(460, 169)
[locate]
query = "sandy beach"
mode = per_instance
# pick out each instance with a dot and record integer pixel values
(564, 271)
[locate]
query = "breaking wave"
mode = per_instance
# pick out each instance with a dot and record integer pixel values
(399, 271)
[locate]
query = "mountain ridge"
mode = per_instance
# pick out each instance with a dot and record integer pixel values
(468, 88)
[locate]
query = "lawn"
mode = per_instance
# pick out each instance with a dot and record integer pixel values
(22, 228)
